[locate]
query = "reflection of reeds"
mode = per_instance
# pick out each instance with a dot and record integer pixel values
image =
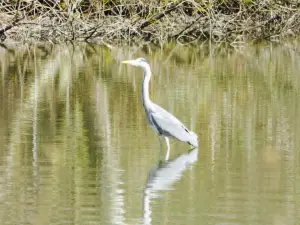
(85, 112)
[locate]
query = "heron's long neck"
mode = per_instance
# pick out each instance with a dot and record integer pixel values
(146, 98)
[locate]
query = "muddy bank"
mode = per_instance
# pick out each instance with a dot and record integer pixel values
(117, 21)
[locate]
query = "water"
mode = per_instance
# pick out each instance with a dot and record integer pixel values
(76, 147)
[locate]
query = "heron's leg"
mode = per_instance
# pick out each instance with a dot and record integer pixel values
(168, 152)
(159, 138)
(160, 145)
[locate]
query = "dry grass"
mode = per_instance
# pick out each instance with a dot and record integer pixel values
(185, 21)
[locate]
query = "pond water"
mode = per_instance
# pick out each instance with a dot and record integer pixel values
(75, 147)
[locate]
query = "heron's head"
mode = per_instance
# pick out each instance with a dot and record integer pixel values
(140, 62)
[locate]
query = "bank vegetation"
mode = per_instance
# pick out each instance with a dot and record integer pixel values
(156, 21)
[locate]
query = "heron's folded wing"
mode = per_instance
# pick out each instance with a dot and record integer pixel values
(171, 127)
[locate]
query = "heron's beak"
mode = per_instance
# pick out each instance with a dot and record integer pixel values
(131, 62)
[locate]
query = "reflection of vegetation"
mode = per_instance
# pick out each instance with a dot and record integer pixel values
(72, 120)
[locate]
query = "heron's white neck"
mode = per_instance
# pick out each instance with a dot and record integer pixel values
(145, 93)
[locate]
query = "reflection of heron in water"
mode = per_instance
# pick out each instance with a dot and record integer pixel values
(161, 120)
(163, 177)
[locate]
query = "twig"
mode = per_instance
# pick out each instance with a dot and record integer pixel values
(160, 15)
(10, 26)
(186, 28)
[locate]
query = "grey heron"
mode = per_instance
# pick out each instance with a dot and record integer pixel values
(161, 120)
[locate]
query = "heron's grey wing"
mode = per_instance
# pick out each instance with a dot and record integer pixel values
(161, 111)
(173, 127)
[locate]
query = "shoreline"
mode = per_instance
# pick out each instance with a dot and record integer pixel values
(115, 22)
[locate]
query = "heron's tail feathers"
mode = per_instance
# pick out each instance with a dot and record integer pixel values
(194, 139)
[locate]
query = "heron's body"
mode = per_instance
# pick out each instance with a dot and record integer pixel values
(161, 120)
